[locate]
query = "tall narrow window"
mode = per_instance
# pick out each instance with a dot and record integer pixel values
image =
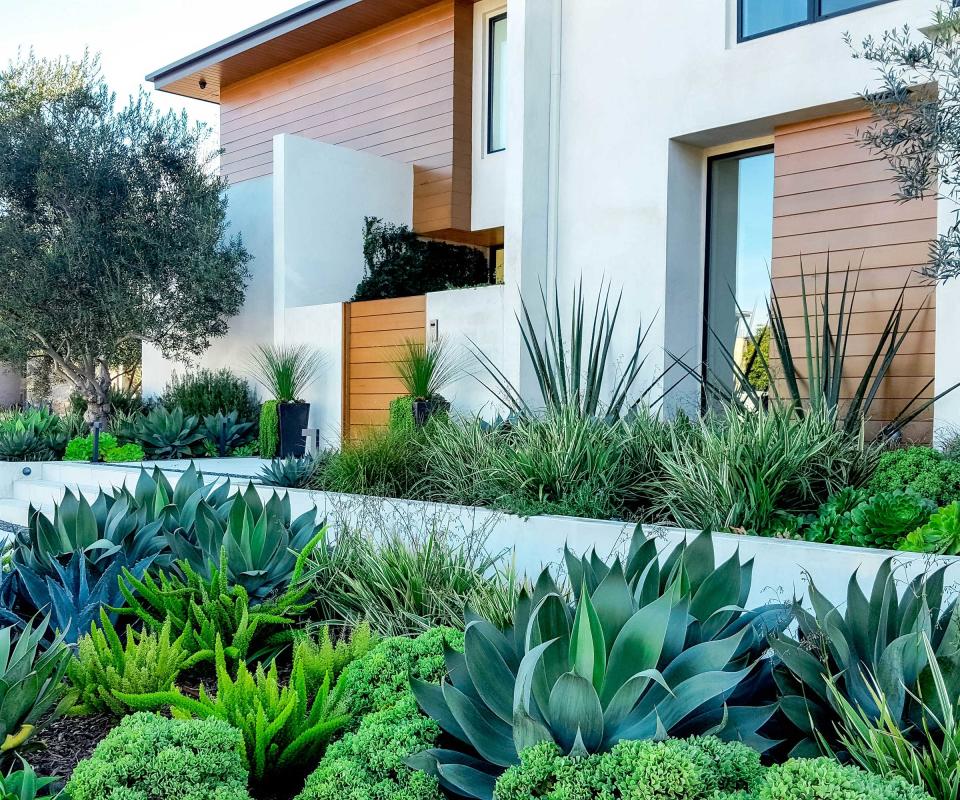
(496, 91)
(740, 248)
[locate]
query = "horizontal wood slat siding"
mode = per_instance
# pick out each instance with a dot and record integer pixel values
(375, 331)
(402, 91)
(834, 203)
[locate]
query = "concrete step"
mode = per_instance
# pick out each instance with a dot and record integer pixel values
(42, 492)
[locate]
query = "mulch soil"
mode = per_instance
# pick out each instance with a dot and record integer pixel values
(64, 742)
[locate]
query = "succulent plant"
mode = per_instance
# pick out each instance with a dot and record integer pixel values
(235, 434)
(646, 650)
(887, 517)
(941, 534)
(873, 645)
(289, 473)
(256, 544)
(168, 434)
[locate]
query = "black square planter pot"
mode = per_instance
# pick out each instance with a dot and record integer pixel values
(294, 417)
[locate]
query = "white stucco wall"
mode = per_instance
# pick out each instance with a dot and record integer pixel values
(322, 193)
(464, 316)
(631, 80)
(11, 386)
(321, 327)
(250, 214)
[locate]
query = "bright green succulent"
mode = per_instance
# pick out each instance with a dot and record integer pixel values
(887, 517)
(941, 534)
(168, 434)
(871, 645)
(646, 651)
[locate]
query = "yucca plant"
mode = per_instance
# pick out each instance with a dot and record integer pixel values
(141, 662)
(664, 652)
(814, 378)
(209, 608)
(425, 369)
(290, 473)
(928, 757)
(285, 727)
(31, 681)
(570, 368)
(166, 434)
(286, 370)
(256, 544)
(871, 639)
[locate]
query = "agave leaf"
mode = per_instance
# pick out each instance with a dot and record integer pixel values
(488, 670)
(588, 651)
(638, 646)
(613, 602)
(490, 736)
(575, 713)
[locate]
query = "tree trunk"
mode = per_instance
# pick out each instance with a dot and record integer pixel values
(98, 402)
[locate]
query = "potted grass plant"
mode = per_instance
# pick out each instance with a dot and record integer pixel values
(425, 369)
(286, 371)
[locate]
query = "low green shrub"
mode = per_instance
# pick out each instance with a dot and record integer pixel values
(385, 463)
(940, 535)
(124, 452)
(401, 414)
(826, 779)
(269, 429)
(141, 663)
(285, 725)
(368, 763)
(149, 757)
(210, 392)
(81, 449)
(921, 470)
(676, 769)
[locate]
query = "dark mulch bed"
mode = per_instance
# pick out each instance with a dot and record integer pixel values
(65, 742)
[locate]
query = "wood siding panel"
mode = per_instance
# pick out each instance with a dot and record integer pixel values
(401, 91)
(375, 330)
(835, 203)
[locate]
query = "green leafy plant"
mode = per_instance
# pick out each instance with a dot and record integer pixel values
(125, 452)
(826, 779)
(398, 263)
(884, 519)
(324, 656)
(257, 545)
(292, 472)
(140, 663)
(877, 637)
(167, 434)
(401, 414)
(208, 609)
(694, 769)
(81, 448)
(285, 727)
(425, 369)
(833, 523)
(24, 784)
(570, 372)
(928, 758)
(286, 370)
(149, 757)
(227, 426)
(368, 763)
(646, 651)
(209, 392)
(921, 470)
(408, 581)
(31, 681)
(941, 533)
(269, 429)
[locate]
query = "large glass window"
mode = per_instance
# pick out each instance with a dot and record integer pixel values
(760, 17)
(496, 91)
(739, 251)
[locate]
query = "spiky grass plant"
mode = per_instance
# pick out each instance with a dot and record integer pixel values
(286, 370)
(425, 369)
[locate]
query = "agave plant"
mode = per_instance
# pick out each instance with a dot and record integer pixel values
(256, 544)
(873, 646)
(31, 681)
(168, 434)
(229, 429)
(290, 473)
(646, 651)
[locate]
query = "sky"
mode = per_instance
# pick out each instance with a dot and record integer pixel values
(133, 37)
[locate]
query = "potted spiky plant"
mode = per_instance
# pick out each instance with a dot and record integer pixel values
(424, 370)
(286, 371)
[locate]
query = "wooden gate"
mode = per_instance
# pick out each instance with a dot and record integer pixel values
(373, 333)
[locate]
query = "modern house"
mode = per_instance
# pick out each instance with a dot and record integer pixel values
(673, 150)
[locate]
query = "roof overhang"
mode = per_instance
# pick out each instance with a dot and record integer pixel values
(302, 30)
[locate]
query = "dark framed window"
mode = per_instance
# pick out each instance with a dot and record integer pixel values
(757, 18)
(739, 239)
(496, 84)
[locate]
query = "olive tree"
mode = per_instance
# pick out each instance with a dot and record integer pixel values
(112, 228)
(917, 110)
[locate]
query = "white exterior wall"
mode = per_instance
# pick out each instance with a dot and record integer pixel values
(624, 108)
(249, 210)
(464, 316)
(321, 327)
